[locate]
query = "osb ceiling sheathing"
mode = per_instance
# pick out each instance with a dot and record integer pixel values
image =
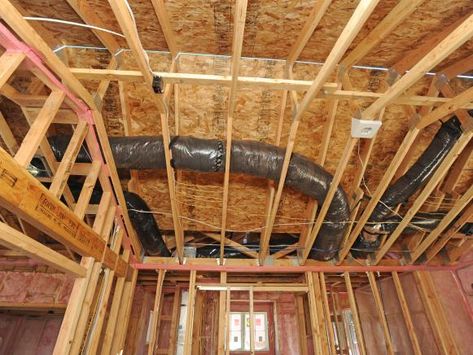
(205, 26)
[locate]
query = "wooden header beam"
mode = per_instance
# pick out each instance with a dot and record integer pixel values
(21, 193)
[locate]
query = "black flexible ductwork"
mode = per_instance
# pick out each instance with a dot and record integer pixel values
(265, 161)
(248, 157)
(383, 220)
(250, 241)
(143, 221)
(145, 225)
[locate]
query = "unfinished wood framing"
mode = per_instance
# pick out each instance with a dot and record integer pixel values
(236, 76)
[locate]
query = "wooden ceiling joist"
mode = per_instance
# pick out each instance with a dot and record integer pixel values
(126, 22)
(238, 31)
(393, 19)
(349, 33)
(311, 24)
(163, 18)
(406, 62)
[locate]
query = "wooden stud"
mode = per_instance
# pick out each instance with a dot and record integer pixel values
(9, 62)
(301, 325)
(85, 10)
(435, 314)
(457, 168)
(190, 314)
(89, 301)
(327, 315)
(252, 323)
(227, 322)
(125, 19)
(118, 293)
(155, 315)
(126, 306)
(446, 109)
(320, 313)
(306, 249)
(95, 331)
(175, 321)
(354, 311)
(390, 171)
(311, 24)
(221, 316)
(445, 238)
(341, 335)
(381, 313)
(87, 189)
(314, 319)
(71, 316)
(393, 19)
(429, 42)
(406, 314)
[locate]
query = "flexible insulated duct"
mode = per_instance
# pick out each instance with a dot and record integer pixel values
(265, 161)
(145, 225)
(248, 157)
(140, 215)
(383, 219)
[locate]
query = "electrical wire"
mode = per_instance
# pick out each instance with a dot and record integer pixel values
(71, 23)
(263, 227)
